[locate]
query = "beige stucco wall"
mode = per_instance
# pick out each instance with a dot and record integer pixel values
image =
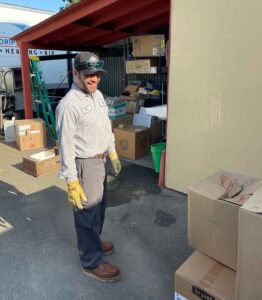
(215, 90)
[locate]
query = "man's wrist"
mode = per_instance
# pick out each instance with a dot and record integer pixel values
(71, 179)
(113, 155)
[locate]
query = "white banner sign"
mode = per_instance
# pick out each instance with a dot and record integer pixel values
(9, 47)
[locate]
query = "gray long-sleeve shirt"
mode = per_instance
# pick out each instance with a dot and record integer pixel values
(83, 129)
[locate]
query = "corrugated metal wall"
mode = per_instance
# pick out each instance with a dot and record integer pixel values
(113, 84)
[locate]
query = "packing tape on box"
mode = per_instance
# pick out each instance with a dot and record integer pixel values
(34, 131)
(211, 275)
(21, 132)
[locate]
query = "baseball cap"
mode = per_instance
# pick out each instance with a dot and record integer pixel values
(89, 63)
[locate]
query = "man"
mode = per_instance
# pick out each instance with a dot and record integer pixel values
(85, 138)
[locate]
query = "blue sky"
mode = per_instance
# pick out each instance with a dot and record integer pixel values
(53, 5)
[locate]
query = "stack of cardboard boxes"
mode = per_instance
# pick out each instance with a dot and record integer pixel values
(224, 226)
(30, 134)
(133, 98)
(131, 142)
(135, 131)
(146, 50)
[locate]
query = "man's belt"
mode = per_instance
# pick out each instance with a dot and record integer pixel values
(100, 156)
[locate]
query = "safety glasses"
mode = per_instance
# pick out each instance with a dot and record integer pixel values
(91, 65)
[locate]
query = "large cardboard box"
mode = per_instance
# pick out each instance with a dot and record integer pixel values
(30, 134)
(141, 66)
(132, 142)
(213, 212)
(148, 45)
(123, 121)
(249, 262)
(42, 163)
(201, 277)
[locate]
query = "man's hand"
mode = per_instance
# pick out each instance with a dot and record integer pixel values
(115, 163)
(75, 194)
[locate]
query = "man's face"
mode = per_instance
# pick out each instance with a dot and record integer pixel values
(88, 83)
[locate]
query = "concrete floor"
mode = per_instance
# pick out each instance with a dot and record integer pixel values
(38, 257)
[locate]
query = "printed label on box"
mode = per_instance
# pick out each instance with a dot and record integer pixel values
(155, 51)
(153, 70)
(179, 297)
(24, 127)
(201, 294)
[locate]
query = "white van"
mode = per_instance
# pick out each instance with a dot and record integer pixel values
(15, 19)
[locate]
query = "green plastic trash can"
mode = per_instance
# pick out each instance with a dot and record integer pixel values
(156, 150)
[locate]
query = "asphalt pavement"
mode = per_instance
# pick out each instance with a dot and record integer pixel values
(38, 258)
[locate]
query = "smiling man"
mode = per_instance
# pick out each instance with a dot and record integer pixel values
(85, 139)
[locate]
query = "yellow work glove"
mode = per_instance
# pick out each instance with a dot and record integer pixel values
(115, 163)
(75, 194)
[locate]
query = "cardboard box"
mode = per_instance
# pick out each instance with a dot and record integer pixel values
(141, 66)
(249, 265)
(30, 134)
(134, 102)
(123, 120)
(132, 142)
(142, 120)
(201, 277)
(116, 111)
(131, 88)
(151, 122)
(213, 213)
(148, 45)
(42, 163)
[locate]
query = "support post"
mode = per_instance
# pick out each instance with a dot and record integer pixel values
(26, 80)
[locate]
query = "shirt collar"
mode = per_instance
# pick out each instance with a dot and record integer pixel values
(77, 89)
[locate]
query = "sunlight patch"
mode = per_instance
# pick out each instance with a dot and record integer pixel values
(4, 226)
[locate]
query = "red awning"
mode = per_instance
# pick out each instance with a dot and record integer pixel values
(92, 23)
(87, 25)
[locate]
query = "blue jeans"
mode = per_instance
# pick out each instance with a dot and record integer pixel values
(88, 224)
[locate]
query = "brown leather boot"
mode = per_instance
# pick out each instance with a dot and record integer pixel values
(104, 272)
(108, 247)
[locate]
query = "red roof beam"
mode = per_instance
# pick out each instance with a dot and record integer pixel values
(112, 13)
(151, 24)
(64, 33)
(143, 15)
(70, 15)
(91, 34)
(107, 39)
